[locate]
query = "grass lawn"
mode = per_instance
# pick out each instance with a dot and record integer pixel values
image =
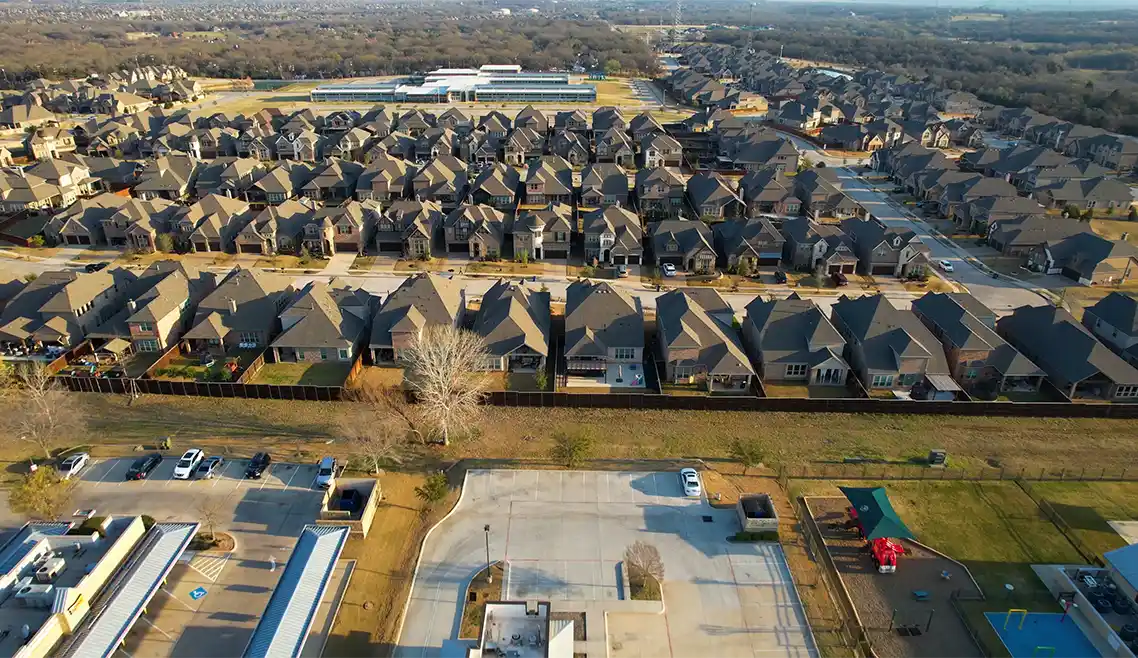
(1088, 506)
(803, 391)
(382, 375)
(505, 267)
(373, 605)
(1112, 229)
(616, 91)
(304, 374)
(484, 591)
(363, 262)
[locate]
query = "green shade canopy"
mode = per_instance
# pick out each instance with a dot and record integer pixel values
(877, 516)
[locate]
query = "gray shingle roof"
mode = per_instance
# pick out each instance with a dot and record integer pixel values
(422, 300)
(686, 324)
(793, 330)
(888, 335)
(512, 316)
(1119, 311)
(1066, 351)
(599, 316)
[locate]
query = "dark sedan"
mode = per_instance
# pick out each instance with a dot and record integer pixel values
(257, 465)
(141, 467)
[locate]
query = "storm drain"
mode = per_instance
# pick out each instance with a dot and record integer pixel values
(708, 519)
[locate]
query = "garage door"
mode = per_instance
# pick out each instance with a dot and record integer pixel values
(458, 248)
(634, 260)
(678, 261)
(78, 239)
(847, 269)
(834, 269)
(882, 269)
(251, 249)
(618, 260)
(391, 246)
(775, 260)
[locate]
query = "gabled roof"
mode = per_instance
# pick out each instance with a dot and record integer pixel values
(1119, 310)
(793, 330)
(1066, 350)
(686, 323)
(422, 300)
(689, 235)
(315, 320)
(606, 178)
(888, 335)
(255, 294)
(624, 224)
(512, 316)
(599, 316)
(710, 187)
(497, 180)
(966, 331)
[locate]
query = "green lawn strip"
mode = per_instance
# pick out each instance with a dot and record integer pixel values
(1088, 506)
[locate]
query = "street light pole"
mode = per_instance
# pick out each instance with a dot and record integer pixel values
(489, 574)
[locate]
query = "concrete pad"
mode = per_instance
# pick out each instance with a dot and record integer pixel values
(1128, 530)
(637, 636)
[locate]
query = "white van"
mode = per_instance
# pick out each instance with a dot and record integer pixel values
(326, 473)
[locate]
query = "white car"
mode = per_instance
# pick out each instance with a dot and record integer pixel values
(668, 269)
(186, 466)
(689, 480)
(945, 265)
(73, 464)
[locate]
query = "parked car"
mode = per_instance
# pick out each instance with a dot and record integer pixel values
(689, 480)
(210, 468)
(95, 267)
(668, 269)
(839, 279)
(142, 466)
(186, 466)
(622, 271)
(73, 464)
(779, 276)
(326, 473)
(945, 265)
(258, 465)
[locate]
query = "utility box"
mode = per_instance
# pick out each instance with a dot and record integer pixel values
(756, 513)
(938, 458)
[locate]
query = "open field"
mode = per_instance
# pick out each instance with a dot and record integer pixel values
(1088, 507)
(304, 374)
(1114, 229)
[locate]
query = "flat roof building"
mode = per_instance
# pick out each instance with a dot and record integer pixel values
(490, 83)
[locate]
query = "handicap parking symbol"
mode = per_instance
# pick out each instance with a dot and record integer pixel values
(197, 593)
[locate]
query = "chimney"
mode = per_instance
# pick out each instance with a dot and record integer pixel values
(132, 305)
(232, 306)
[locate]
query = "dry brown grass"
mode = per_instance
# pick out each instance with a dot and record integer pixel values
(369, 617)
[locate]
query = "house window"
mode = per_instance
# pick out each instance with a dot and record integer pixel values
(344, 230)
(147, 345)
(971, 374)
(345, 354)
(625, 353)
(145, 326)
(882, 381)
(323, 354)
(560, 236)
(1126, 392)
(250, 337)
(796, 370)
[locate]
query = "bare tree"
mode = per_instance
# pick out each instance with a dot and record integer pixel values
(375, 440)
(444, 365)
(644, 558)
(42, 495)
(389, 402)
(41, 412)
(209, 513)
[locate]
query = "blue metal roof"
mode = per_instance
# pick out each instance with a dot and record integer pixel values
(104, 628)
(1125, 561)
(284, 625)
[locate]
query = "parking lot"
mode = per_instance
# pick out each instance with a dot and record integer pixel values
(562, 535)
(264, 517)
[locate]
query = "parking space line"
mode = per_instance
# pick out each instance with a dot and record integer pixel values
(265, 476)
(184, 604)
(155, 627)
(294, 472)
(110, 467)
(221, 476)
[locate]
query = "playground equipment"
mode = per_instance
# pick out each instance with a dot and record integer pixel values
(876, 521)
(1022, 619)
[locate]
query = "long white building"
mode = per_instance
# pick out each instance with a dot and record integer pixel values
(491, 83)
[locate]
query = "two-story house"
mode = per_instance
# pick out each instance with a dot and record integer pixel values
(604, 335)
(660, 193)
(604, 184)
(421, 301)
(613, 235)
(543, 233)
(713, 197)
(409, 227)
(385, 180)
(613, 145)
(514, 324)
(748, 243)
(698, 344)
(1114, 321)
(497, 186)
(768, 191)
(889, 250)
(687, 244)
(442, 180)
(549, 180)
(477, 230)
(793, 342)
(240, 314)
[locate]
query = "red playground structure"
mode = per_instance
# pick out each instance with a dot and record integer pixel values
(878, 524)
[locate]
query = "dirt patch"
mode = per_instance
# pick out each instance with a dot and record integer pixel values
(580, 634)
(218, 541)
(888, 603)
(486, 586)
(643, 586)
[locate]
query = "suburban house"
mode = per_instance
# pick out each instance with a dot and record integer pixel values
(529, 117)
(279, 184)
(61, 310)
(154, 320)
(442, 180)
(748, 243)
(572, 146)
(210, 224)
(660, 193)
(698, 345)
(768, 191)
(604, 184)
(477, 230)
(813, 247)
(49, 142)
(793, 342)
(497, 186)
(549, 179)
(337, 229)
(659, 149)
(1017, 236)
(1099, 194)
(887, 250)
(1085, 257)
(275, 229)
(1114, 321)
(820, 197)
(384, 180)
(713, 197)
(887, 348)
(614, 146)
(323, 324)
(24, 116)
(687, 244)
(1075, 362)
(421, 301)
(604, 334)
(613, 235)
(977, 357)
(544, 233)
(169, 177)
(514, 323)
(240, 314)
(408, 227)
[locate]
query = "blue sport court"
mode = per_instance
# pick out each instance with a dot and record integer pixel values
(1040, 635)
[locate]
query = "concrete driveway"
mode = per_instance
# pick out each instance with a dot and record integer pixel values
(562, 535)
